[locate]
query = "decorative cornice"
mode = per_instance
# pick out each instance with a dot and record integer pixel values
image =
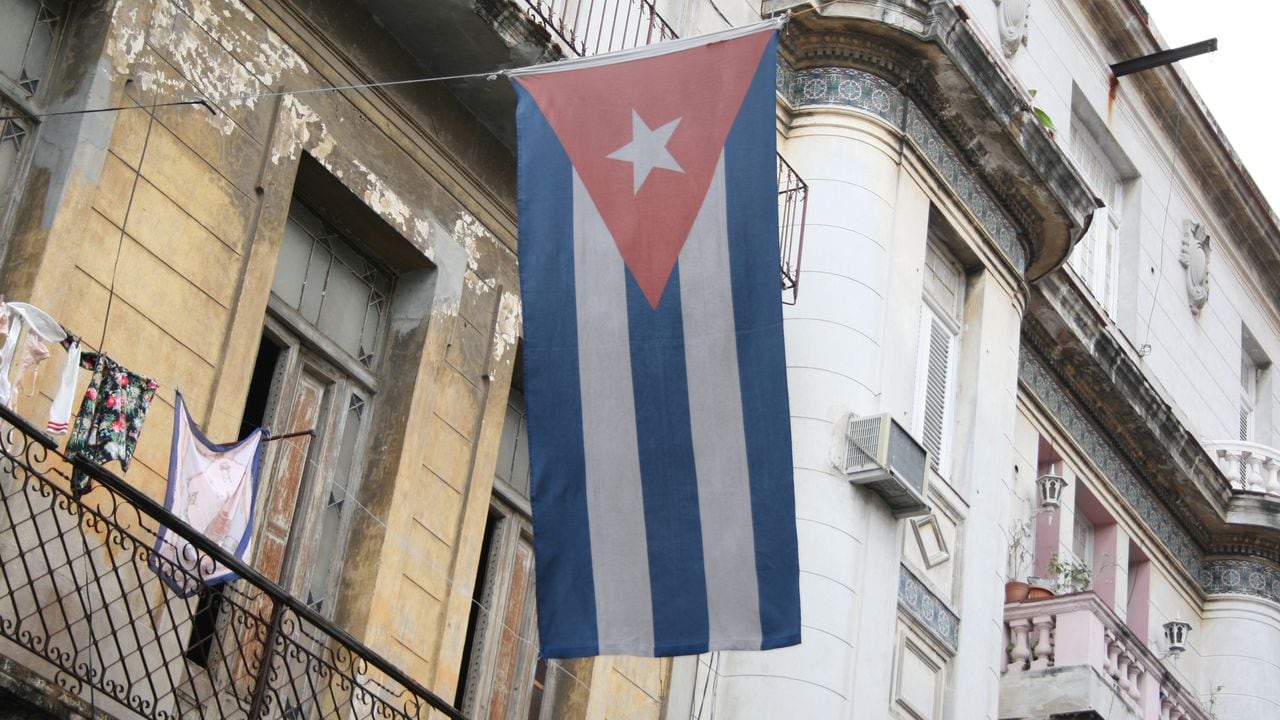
(925, 607)
(1239, 576)
(866, 92)
(1066, 410)
(938, 61)
(1167, 513)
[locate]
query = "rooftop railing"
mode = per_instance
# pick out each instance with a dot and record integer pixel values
(83, 604)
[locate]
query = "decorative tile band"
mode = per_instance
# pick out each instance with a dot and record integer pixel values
(867, 93)
(1248, 577)
(927, 609)
(1139, 497)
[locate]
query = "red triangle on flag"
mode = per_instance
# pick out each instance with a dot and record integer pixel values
(664, 120)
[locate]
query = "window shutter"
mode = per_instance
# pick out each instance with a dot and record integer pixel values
(937, 344)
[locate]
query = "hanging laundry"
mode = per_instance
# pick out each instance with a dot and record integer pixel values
(34, 352)
(60, 410)
(213, 488)
(111, 415)
(39, 324)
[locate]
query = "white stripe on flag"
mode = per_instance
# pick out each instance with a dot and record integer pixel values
(715, 413)
(615, 499)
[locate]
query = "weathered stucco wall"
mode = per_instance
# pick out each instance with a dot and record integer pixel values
(196, 201)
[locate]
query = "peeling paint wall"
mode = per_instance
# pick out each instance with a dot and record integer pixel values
(179, 230)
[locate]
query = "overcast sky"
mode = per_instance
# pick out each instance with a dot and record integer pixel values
(1240, 80)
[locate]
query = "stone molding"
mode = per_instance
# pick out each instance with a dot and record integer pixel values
(1194, 259)
(1165, 514)
(1035, 377)
(1013, 17)
(1239, 576)
(925, 608)
(865, 92)
(930, 55)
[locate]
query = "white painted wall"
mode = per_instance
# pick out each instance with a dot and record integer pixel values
(1241, 650)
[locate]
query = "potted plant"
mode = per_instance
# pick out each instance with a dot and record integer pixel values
(1041, 588)
(1016, 590)
(1073, 575)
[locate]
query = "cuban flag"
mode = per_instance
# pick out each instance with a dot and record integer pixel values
(655, 380)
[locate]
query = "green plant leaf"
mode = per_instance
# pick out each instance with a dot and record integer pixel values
(1043, 117)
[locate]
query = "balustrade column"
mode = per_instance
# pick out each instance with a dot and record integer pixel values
(1135, 681)
(1122, 672)
(1044, 641)
(1113, 655)
(1273, 476)
(1229, 463)
(1166, 705)
(1253, 463)
(1020, 652)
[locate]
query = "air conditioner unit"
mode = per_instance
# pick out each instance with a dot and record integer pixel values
(880, 454)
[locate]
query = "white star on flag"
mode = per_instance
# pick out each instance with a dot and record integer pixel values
(647, 150)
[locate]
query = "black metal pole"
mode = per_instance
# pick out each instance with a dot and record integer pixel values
(264, 664)
(1164, 57)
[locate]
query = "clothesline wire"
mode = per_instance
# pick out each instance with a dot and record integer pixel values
(124, 222)
(91, 111)
(211, 103)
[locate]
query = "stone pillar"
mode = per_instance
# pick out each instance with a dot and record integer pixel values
(1238, 652)
(835, 353)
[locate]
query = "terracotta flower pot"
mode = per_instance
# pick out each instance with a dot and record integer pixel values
(1039, 593)
(1015, 591)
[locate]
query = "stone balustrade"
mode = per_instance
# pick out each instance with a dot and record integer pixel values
(1249, 466)
(1079, 630)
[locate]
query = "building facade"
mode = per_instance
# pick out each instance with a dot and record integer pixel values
(1053, 281)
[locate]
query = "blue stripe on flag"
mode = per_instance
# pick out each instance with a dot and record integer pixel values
(672, 521)
(753, 248)
(562, 540)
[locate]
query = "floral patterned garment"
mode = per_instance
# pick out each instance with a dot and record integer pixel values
(111, 414)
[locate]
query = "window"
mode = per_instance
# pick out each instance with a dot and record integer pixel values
(1082, 533)
(1255, 422)
(940, 322)
(502, 676)
(1138, 597)
(1096, 257)
(316, 369)
(1248, 395)
(29, 32)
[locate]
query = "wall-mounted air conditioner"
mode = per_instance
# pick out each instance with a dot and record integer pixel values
(880, 454)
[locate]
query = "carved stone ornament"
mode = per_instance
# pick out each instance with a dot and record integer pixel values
(1195, 259)
(1012, 16)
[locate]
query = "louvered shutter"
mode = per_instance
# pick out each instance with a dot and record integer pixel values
(937, 343)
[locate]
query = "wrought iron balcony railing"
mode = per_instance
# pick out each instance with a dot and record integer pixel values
(793, 203)
(591, 27)
(82, 604)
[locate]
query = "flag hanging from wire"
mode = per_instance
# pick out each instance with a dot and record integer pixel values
(660, 445)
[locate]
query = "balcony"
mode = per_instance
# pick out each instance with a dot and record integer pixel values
(591, 27)
(87, 623)
(1249, 466)
(1071, 654)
